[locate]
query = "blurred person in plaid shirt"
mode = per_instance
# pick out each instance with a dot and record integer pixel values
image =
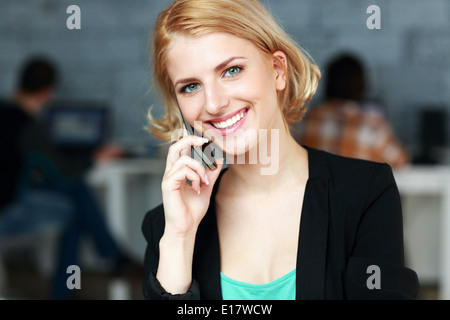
(345, 125)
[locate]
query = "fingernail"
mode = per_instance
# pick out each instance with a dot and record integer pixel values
(200, 138)
(198, 192)
(205, 140)
(206, 180)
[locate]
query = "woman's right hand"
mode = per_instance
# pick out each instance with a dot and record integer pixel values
(185, 205)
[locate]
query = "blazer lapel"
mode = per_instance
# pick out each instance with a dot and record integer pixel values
(313, 238)
(206, 262)
(312, 247)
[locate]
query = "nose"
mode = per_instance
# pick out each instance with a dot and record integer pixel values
(216, 98)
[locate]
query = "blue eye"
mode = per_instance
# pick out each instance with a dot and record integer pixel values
(190, 88)
(231, 72)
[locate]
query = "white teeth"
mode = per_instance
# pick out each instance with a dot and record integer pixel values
(230, 122)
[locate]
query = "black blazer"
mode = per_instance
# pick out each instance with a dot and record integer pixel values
(351, 219)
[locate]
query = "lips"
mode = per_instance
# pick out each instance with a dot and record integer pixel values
(230, 123)
(224, 118)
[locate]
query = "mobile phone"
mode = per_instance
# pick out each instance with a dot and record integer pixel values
(198, 152)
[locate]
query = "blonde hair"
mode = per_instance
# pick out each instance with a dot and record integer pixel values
(246, 19)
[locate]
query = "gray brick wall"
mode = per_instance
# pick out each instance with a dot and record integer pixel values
(408, 59)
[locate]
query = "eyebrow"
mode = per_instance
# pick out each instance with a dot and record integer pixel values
(220, 66)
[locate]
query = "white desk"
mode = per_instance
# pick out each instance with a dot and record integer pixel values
(131, 187)
(432, 180)
(116, 178)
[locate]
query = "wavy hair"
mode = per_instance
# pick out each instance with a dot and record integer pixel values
(246, 19)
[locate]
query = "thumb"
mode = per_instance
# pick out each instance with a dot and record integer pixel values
(214, 174)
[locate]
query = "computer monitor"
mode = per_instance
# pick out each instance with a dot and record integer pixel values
(78, 125)
(432, 135)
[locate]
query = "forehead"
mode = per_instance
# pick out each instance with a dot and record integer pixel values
(189, 54)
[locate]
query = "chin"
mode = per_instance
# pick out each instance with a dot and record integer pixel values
(237, 144)
(238, 150)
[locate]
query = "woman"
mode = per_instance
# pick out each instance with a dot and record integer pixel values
(308, 230)
(360, 127)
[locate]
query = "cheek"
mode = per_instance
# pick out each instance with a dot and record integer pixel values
(255, 86)
(191, 109)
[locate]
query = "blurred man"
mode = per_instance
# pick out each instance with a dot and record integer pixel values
(35, 192)
(345, 125)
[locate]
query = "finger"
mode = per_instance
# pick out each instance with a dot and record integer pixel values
(183, 144)
(214, 174)
(185, 152)
(176, 179)
(194, 165)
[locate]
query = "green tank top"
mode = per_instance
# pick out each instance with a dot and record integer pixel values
(280, 289)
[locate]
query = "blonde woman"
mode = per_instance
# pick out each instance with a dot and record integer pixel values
(313, 228)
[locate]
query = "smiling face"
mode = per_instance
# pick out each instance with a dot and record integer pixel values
(228, 85)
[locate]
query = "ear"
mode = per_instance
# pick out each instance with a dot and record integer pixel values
(280, 67)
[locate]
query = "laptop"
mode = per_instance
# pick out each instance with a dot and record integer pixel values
(78, 127)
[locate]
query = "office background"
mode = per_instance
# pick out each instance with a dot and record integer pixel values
(407, 60)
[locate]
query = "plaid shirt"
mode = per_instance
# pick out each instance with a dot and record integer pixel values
(351, 131)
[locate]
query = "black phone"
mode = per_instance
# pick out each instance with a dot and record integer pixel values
(198, 152)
